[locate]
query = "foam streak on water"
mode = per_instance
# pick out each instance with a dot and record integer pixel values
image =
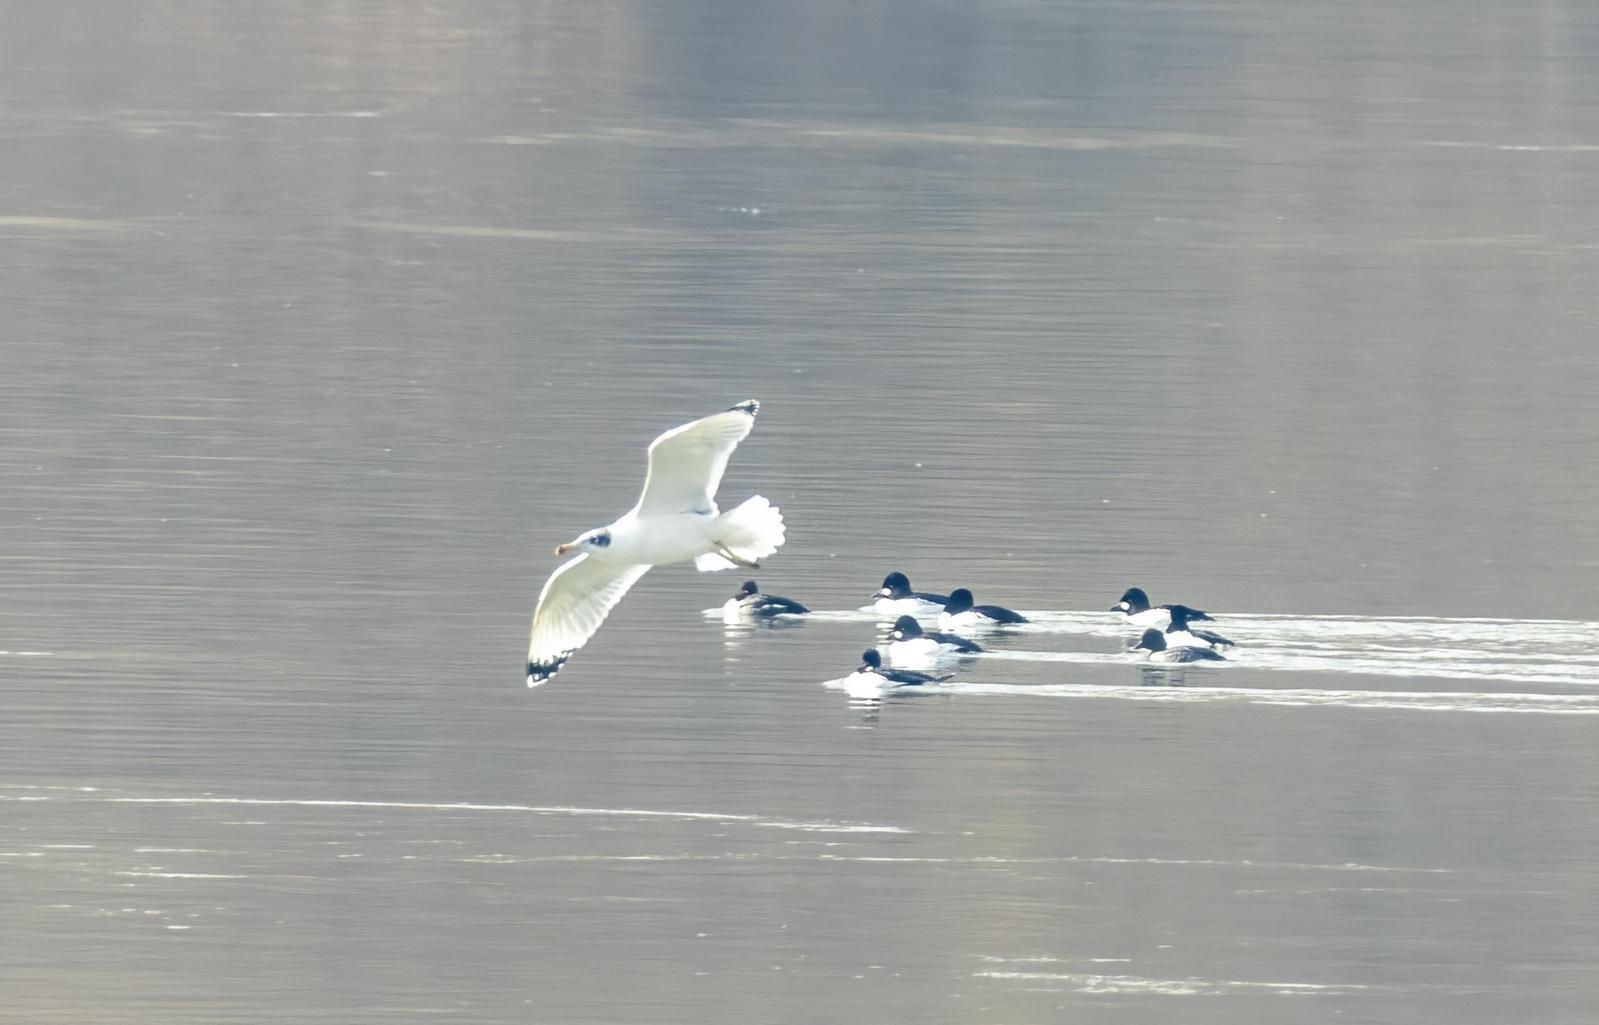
(756, 820)
(1089, 982)
(1552, 665)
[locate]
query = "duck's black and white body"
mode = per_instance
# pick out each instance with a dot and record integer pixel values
(1135, 606)
(961, 614)
(1154, 644)
(910, 644)
(870, 679)
(1181, 635)
(895, 597)
(750, 603)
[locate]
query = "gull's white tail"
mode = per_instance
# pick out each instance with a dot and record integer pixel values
(752, 532)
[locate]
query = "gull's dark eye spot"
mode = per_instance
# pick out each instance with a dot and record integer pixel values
(601, 540)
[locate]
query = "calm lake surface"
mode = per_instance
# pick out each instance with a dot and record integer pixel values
(324, 323)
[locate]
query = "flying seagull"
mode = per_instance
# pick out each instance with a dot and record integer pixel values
(675, 520)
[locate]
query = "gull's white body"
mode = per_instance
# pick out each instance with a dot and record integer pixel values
(660, 540)
(676, 520)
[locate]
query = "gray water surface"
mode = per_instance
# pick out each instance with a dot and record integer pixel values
(325, 322)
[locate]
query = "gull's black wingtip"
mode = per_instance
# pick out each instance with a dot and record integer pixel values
(539, 673)
(749, 406)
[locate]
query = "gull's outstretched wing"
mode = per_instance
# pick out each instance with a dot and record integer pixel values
(573, 604)
(686, 463)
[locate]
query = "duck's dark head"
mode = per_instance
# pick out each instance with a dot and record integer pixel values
(895, 585)
(1152, 640)
(960, 600)
(746, 589)
(1180, 615)
(871, 661)
(1134, 601)
(905, 628)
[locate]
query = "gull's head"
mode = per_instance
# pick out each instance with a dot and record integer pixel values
(905, 628)
(1134, 600)
(895, 585)
(1151, 641)
(593, 541)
